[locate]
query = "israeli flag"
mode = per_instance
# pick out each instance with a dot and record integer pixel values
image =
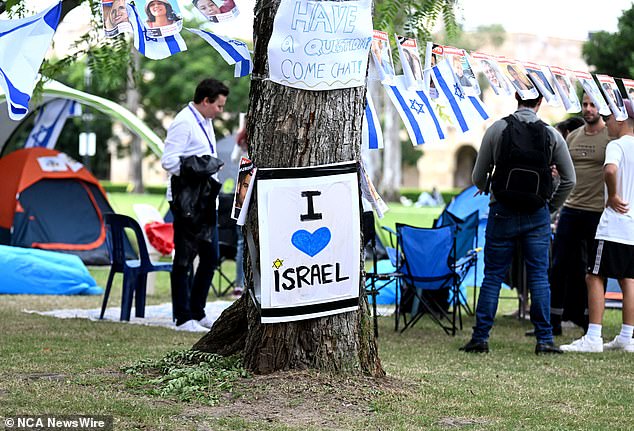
(24, 43)
(50, 122)
(466, 112)
(232, 51)
(154, 48)
(415, 109)
(371, 133)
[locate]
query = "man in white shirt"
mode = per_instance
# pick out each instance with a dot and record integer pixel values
(613, 254)
(190, 158)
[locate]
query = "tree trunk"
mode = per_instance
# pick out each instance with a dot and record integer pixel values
(391, 155)
(288, 127)
(132, 102)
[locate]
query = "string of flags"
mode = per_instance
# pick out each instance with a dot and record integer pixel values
(320, 46)
(447, 92)
(154, 24)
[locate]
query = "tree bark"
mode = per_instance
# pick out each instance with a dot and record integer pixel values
(132, 101)
(288, 127)
(391, 155)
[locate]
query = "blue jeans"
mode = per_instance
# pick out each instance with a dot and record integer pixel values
(504, 227)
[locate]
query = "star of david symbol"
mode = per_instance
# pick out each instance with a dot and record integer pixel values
(277, 263)
(416, 106)
(458, 91)
(40, 136)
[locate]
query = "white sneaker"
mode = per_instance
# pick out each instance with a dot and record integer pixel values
(191, 326)
(584, 344)
(206, 322)
(616, 344)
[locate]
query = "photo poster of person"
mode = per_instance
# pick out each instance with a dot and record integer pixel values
(410, 61)
(217, 10)
(462, 70)
(161, 18)
(516, 74)
(243, 183)
(629, 88)
(369, 193)
(115, 17)
(543, 80)
(491, 70)
(437, 54)
(613, 96)
(592, 89)
(566, 90)
(382, 68)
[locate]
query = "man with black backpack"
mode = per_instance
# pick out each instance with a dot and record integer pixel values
(515, 164)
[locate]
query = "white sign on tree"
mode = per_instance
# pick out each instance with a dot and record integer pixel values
(309, 230)
(320, 45)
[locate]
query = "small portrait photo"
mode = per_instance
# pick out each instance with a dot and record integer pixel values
(244, 179)
(161, 13)
(413, 60)
(410, 60)
(628, 85)
(208, 8)
(114, 13)
(495, 77)
(613, 97)
(458, 69)
(382, 56)
(519, 80)
(565, 85)
(217, 10)
(592, 90)
(543, 85)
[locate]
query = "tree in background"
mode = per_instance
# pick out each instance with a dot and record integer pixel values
(611, 53)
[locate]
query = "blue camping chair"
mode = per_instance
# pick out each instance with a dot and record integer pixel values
(427, 259)
(466, 243)
(134, 271)
(376, 280)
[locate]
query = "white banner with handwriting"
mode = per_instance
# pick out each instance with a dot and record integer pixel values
(320, 45)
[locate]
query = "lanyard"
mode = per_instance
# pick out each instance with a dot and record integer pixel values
(202, 128)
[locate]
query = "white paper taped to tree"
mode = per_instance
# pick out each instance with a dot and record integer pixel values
(309, 228)
(320, 45)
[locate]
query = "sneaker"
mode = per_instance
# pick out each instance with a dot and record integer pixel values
(475, 347)
(584, 344)
(206, 322)
(191, 326)
(616, 344)
(547, 349)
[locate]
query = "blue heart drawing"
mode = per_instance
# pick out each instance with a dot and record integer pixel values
(311, 243)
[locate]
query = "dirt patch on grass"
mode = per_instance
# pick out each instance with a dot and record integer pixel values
(306, 399)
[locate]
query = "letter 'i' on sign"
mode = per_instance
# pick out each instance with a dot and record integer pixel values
(309, 229)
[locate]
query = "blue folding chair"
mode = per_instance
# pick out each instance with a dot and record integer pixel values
(426, 257)
(466, 242)
(134, 270)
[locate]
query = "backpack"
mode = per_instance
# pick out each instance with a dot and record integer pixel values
(522, 178)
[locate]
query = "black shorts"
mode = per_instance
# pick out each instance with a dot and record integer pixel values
(611, 259)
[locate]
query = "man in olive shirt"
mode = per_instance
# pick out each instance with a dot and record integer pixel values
(578, 221)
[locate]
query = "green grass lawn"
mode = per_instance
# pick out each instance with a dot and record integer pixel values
(75, 366)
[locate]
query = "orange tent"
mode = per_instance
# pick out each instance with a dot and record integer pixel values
(50, 201)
